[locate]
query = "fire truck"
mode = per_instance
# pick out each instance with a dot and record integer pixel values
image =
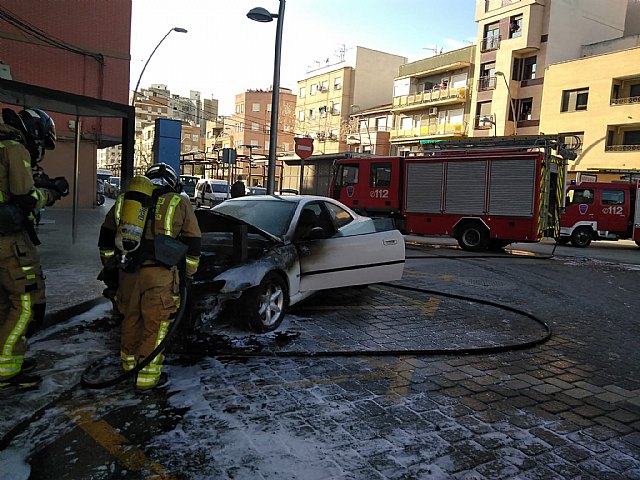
(484, 192)
(600, 211)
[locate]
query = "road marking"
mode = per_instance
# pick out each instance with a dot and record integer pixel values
(116, 444)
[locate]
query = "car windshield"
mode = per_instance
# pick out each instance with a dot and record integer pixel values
(115, 181)
(257, 191)
(189, 181)
(272, 216)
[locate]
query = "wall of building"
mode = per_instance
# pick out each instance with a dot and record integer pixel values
(595, 73)
(374, 75)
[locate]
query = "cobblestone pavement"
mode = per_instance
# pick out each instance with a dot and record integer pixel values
(567, 408)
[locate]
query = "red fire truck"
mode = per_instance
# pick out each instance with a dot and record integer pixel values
(485, 192)
(600, 211)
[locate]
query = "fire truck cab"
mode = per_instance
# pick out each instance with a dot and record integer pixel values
(600, 211)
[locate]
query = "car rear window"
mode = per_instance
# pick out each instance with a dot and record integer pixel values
(220, 188)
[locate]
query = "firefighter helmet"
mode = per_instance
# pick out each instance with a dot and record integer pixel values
(163, 175)
(36, 126)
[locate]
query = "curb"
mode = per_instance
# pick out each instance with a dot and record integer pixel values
(65, 314)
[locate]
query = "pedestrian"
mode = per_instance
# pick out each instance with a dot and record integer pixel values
(24, 137)
(147, 281)
(237, 189)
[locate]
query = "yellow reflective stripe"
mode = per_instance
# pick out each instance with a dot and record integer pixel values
(193, 261)
(27, 268)
(1, 197)
(40, 197)
(20, 326)
(128, 361)
(31, 276)
(107, 253)
(118, 208)
(168, 217)
(149, 375)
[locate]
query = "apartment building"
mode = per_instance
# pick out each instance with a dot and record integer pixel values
(597, 99)
(431, 99)
(369, 130)
(517, 40)
(359, 79)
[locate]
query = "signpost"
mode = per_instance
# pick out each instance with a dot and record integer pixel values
(304, 149)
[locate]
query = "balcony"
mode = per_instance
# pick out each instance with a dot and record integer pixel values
(449, 129)
(490, 43)
(486, 83)
(434, 96)
(490, 5)
(625, 101)
(622, 148)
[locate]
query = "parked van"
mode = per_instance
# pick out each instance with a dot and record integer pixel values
(189, 183)
(211, 192)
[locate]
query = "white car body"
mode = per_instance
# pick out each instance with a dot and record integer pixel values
(211, 192)
(357, 250)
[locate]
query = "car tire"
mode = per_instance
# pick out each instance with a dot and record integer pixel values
(581, 237)
(473, 237)
(263, 307)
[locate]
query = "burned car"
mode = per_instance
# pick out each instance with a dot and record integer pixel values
(262, 254)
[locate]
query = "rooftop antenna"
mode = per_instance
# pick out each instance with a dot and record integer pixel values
(434, 49)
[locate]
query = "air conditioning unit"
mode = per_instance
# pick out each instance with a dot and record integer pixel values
(433, 111)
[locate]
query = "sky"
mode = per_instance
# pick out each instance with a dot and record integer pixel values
(225, 53)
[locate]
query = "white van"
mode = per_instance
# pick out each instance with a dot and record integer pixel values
(211, 192)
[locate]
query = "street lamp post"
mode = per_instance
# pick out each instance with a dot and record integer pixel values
(135, 91)
(513, 108)
(260, 14)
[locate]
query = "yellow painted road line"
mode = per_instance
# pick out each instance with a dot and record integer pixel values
(116, 444)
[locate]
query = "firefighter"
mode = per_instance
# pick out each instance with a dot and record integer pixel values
(132, 239)
(24, 137)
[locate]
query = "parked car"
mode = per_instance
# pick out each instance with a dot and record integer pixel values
(211, 192)
(112, 187)
(256, 191)
(189, 183)
(263, 254)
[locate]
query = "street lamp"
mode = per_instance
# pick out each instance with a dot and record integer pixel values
(135, 91)
(260, 14)
(513, 108)
(490, 120)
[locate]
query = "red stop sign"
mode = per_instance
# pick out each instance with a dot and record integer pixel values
(304, 146)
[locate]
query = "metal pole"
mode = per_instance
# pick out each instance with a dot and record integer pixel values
(301, 175)
(275, 99)
(76, 171)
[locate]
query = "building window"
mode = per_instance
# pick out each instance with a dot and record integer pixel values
(574, 100)
(337, 83)
(301, 115)
(515, 26)
(194, 138)
(312, 114)
(303, 92)
(524, 68)
(491, 40)
(324, 86)
(484, 116)
(323, 111)
(255, 107)
(573, 140)
(254, 126)
(314, 89)
(364, 124)
(381, 124)
(335, 109)
(487, 76)
(254, 143)
(380, 175)
(159, 110)
(406, 123)
(525, 105)
(268, 107)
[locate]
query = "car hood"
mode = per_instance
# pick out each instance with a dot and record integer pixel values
(212, 221)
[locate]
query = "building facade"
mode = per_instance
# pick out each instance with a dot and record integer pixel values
(597, 99)
(432, 99)
(84, 50)
(517, 40)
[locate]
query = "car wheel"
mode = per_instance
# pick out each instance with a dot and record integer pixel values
(210, 203)
(581, 237)
(473, 237)
(263, 307)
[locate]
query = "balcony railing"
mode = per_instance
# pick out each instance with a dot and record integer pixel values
(622, 148)
(495, 4)
(431, 96)
(429, 130)
(625, 101)
(486, 83)
(490, 43)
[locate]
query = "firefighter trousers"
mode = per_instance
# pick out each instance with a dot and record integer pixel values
(22, 296)
(147, 299)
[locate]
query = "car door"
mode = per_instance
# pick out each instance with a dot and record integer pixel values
(355, 252)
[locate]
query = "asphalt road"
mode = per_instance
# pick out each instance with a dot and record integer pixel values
(343, 390)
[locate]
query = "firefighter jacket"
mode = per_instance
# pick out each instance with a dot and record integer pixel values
(172, 215)
(16, 177)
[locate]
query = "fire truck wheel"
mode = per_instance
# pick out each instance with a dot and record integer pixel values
(473, 237)
(581, 237)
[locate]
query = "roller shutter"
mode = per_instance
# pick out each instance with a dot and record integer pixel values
(466, 186)
(512, 187)
(424, 187)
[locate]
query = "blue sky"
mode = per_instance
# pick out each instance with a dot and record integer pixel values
(225, 53)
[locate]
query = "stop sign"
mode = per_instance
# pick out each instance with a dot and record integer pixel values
(304, 147)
